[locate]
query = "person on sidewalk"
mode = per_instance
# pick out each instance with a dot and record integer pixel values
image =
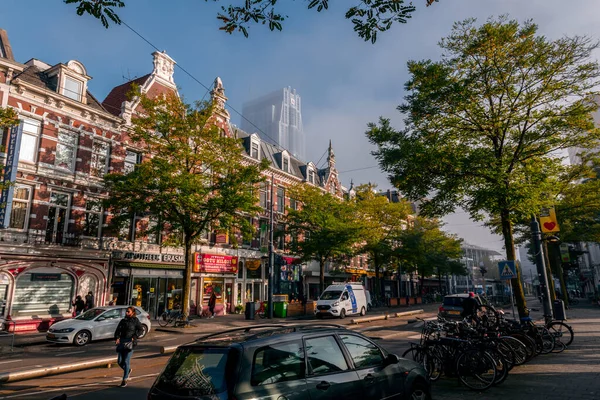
(212, 302)
(89, 301)
(128, 330)
(78, 305)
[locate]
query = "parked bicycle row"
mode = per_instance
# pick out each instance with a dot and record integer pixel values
(481, 350)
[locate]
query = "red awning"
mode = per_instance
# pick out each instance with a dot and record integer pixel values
(291, 260)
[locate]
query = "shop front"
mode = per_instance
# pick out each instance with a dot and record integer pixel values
(151, 281)
(34, 294)
(251, 285)
(288, 278)
(214, 273)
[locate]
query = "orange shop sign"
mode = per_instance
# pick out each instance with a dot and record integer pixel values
(215, 264)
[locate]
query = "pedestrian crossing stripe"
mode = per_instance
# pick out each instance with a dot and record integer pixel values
(507, 271)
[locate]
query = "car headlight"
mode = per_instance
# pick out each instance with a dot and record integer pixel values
(65, 330)
(337, 303)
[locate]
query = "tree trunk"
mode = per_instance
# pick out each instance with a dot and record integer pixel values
(548, 260)
(509, 245)
(187, 279)
(322, 274)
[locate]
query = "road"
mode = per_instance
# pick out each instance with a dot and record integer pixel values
(570, 375)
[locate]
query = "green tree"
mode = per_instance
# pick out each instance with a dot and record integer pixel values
(426, 250)
(484, 126)
(382, 222)
(322, 229)
(8, 118)
(369, 17)
(193, 180)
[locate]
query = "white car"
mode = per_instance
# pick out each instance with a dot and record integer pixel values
(95, 324)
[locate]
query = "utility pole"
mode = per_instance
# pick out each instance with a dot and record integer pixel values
(271, 253)
(541, 268)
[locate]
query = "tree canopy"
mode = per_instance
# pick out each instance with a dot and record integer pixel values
(369, 17)
(192, 180)
(8, 117)
(486, 124)
(323, 228)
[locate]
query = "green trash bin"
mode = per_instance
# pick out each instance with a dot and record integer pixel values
(280, 309)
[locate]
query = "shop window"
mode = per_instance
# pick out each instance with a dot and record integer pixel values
(43, 292)
(66, 150)
(29, 140)
(19, 213)
(93, 218)
(99, 162)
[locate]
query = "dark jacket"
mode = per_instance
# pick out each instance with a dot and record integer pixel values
(128, 329)
(469, 307)
(79, 305)
(89, 301)
(212, 301)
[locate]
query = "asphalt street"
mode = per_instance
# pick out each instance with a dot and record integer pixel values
(572, 374)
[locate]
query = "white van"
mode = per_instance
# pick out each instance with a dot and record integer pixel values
(341, 300)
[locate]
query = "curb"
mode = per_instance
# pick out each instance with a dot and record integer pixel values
(385, 316)
(61, 369)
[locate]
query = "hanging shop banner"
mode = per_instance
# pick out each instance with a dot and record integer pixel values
(10, 174)
(252, 264)
(215, 264)
(290, 260)
(548, 222)
(564, 253)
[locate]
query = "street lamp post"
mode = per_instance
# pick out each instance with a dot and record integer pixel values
(271, 255)
(541, 268)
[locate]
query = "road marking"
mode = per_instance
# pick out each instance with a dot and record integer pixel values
(102, 383)
(414, 337)
(72, 352)
(167, 340)
(11, 361)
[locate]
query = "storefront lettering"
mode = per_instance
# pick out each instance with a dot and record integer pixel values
(131, 256)
(215, 263)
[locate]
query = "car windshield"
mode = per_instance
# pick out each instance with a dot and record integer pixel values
(91, 314)
(195, 372)
(331, 295)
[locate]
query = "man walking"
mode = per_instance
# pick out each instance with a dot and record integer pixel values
(469, 306)
(128, 330)
(212, 302)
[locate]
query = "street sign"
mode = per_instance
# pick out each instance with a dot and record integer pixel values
(507, 269)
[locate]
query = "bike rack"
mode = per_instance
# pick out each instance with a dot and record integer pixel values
(8, 332)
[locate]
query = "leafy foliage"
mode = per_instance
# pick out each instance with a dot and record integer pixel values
(194, 178)
(8, 117)
(323, 228)
(369, 17)
(484, 126)
(100, 9)
(382, 222)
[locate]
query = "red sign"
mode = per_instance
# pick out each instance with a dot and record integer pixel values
(215, 264)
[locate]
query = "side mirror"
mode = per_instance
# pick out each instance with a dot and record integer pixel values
(390, 360)
(100, 319)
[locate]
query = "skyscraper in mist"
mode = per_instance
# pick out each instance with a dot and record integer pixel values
(278, 116)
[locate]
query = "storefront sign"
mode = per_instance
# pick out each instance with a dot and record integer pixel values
(222, 237)
(131, 256)
(213, 263)
(291, 260)
(45, 277)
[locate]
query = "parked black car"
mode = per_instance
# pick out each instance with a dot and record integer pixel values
(452, 307)
(294, 362)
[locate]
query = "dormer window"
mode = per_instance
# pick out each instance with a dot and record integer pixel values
(311, 176)
(254, 151)
(285, 166)
(255, 146)
(72, 88)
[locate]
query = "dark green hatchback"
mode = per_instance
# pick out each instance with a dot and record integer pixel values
(289, 362)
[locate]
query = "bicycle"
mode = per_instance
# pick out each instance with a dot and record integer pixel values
(263, 311)
(174, 317)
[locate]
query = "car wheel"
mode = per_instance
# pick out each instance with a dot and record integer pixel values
(144, 331)
(362, 311)
(419, 392)
(82, 338)
(343, 314)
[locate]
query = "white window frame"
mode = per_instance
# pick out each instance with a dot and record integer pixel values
(31, 135)
(311, 176)
(70, 93)
(285, 163)
(66, 144)
(98, 213)
(96, 156)
(280, 206)
(27, 206)
(255, 146)
(128, 153)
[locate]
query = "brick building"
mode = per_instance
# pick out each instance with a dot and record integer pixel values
(54, 241)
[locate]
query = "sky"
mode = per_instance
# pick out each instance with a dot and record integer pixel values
(344, 82)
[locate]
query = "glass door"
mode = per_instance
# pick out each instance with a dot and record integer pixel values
(57, 217)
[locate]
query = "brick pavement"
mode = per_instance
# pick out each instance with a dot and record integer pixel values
(573, 374)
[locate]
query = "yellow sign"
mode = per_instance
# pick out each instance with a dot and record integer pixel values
(548, 222)
(253, 264)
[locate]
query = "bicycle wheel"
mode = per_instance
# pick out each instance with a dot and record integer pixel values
(419, 355)
(476, 369)
(561, 332)
(518, 349)
(487, 316)
(163, 320)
